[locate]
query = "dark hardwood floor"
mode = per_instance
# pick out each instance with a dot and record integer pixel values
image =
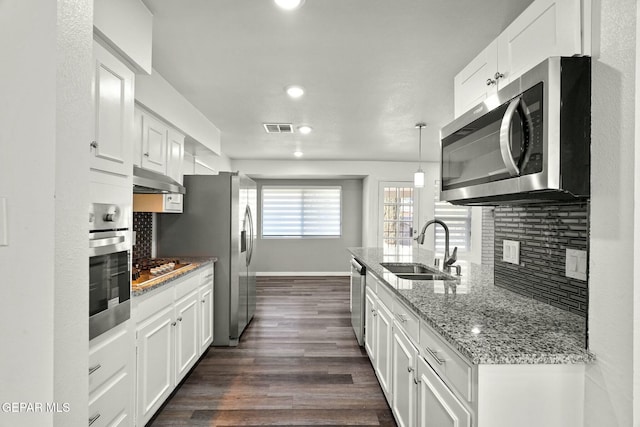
(298, 364)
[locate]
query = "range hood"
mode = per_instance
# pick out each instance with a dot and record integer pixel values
(149, 182)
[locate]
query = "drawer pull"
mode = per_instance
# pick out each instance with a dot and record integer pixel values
(174, 323)
(435, 356)
(179, 319)
(416, 381)
(94, 368)
(402, 317)
(409, 369)
(94, 418)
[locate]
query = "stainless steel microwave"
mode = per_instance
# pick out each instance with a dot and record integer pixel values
(530, 142)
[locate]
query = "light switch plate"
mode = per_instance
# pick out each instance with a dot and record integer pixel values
(4, 238)
(511, 251)
(576, 264)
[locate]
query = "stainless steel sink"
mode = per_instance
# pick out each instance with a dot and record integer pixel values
(424, 276)
(415, 271)
(408, 268)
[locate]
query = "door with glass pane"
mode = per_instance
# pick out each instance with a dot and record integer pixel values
(398, 202)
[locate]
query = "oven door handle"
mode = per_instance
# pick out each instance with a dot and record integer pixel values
(505, 138)
(98, 243)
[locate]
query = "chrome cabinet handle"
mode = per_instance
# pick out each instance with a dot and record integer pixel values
(94, 418)
(416, 381)
(434, 354)
(146, 154)
(409, 369)
(180, 319)
(491, 82)
(93, 144)
(94, 368)
(402, 317)
(174, 323)
(498, 75)
(202, 301)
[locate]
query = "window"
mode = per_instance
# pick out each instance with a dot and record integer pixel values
(301, 211)
(458, 219)
(398, 213)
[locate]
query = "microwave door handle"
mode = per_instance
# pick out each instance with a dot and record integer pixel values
(528, 145)
(505, 138)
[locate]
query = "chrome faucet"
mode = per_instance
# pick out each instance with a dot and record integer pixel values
(448, 260)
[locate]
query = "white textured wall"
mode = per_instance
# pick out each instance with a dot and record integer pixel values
(43, 174)
(609, 382)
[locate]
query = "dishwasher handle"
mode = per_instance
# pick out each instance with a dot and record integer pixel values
(355, 265)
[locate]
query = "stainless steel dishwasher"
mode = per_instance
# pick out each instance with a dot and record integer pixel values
(358, 282)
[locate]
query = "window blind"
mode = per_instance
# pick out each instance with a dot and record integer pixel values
(458, 219)
(301, 211)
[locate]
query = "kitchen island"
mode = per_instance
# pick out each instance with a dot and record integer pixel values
(463, 352)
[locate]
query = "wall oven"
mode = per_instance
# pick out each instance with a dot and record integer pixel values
(109, 268)
(529, 142)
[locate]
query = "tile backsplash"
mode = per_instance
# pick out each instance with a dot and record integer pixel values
(143, 226)
(544, 233)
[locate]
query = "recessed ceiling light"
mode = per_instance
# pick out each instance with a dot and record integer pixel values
(289, 4)
(294, 91)
(298, 153)
(304, 129)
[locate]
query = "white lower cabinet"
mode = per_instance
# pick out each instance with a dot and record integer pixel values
(370, 325)
(111, 377)
(438, 406)
(405, 390)
(174, 328)
(384, 336)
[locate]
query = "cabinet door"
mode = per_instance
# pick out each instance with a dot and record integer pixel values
(437, 405)
(187, 337)
(405, 390)
(470, 84)
(384, 338)
(206, 317)
(175, 155)
(154, 144)
(113, 106)
(155, 362)
(546, 28)
(370, 326)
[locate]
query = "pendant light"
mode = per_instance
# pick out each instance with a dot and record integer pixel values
(418, 177)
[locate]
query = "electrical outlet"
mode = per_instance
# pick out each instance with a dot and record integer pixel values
(576, 264)
(511, 251)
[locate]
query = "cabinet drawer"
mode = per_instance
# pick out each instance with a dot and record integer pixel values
(108, 358)
(386, 295)
(110, 405)
(452, 368)
(372, 283)
(187, 284)
(408, 320)
(206, 277)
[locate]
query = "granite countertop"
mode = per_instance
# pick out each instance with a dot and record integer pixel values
(485, 323)
(194, 263)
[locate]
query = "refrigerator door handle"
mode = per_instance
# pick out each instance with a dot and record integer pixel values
(251, 236)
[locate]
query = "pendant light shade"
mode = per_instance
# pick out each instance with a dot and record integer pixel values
(418, 176)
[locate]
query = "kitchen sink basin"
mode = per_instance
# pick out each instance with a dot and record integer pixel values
(423, 276)
(408, 268)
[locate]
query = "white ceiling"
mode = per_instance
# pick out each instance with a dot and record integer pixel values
(372, 69)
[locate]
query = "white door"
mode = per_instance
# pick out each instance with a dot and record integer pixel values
(155, 363)
(154, 144)
(187, 338)
(398, 202)
(437, 405)
(113, 105)
(206, 317)
(370, 326)
(403, 373)
(384, 338)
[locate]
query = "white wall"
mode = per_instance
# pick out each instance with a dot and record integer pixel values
(374, 173)
(609, 382)
(44, 135)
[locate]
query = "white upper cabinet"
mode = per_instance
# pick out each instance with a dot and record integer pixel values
(113, 105)
(154, 144)
(175, 154)
(546, 28)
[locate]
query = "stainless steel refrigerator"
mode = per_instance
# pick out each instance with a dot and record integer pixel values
(218, 220)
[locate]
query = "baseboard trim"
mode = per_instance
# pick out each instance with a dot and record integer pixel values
(303, 273)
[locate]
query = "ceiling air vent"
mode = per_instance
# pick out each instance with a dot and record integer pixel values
(278, 127)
